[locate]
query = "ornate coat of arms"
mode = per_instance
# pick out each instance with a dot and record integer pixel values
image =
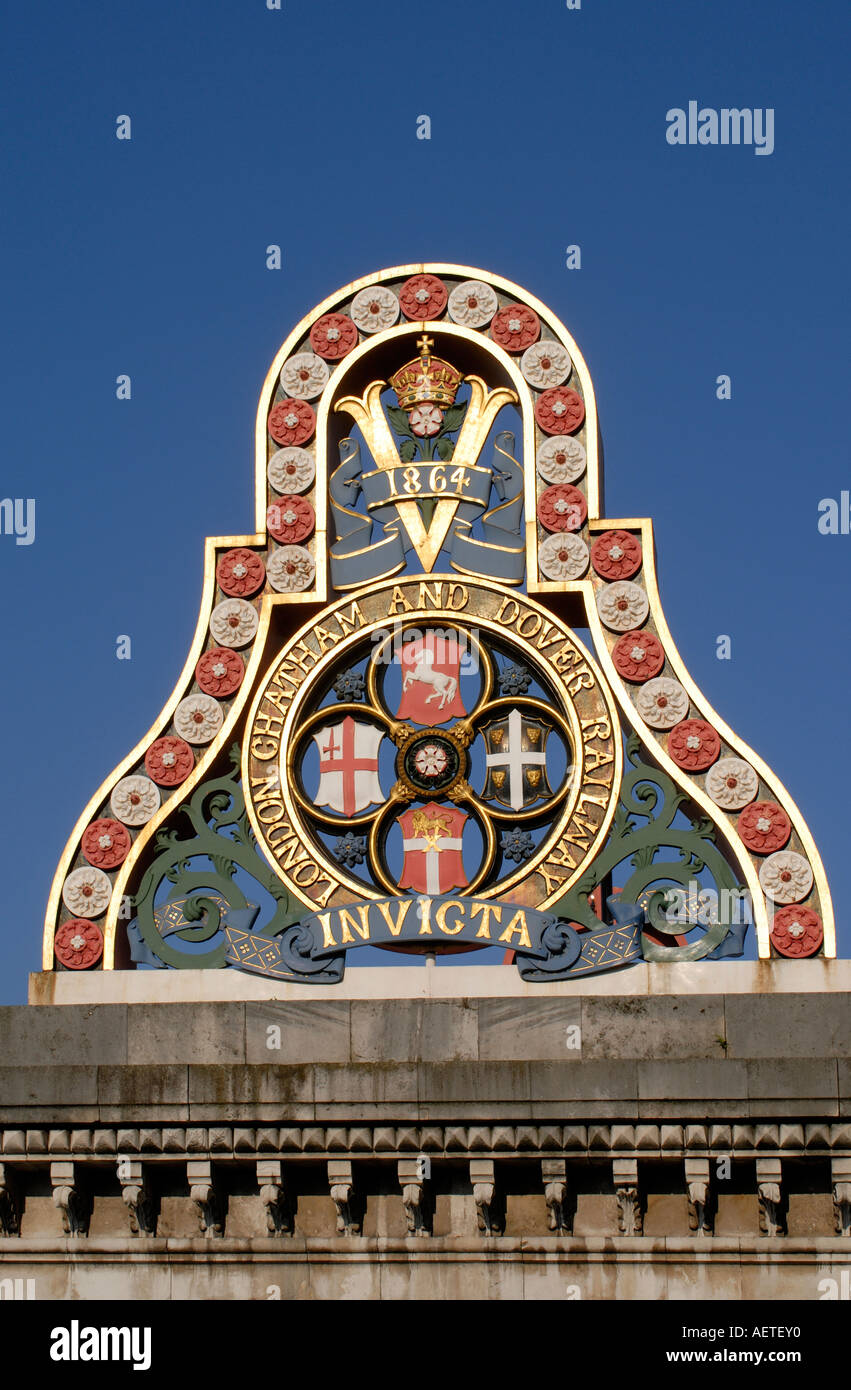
(516, 760)
(388, 723)
(348, 766)
(431, 678)
(432, 844)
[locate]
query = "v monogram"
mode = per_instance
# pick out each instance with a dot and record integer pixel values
(482, 410)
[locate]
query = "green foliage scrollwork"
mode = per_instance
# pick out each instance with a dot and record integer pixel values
(648, 793)
(215, 807)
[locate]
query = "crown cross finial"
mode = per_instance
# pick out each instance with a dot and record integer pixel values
(425, 343)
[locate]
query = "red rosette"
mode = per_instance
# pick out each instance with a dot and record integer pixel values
(78, 944)
(624, 562)
(292, 422)
(110, 855)
(764, 827)
(638, 656)
(169, 761)
(694, 745)
(796, 931)
(562, 507)
(290, 519)
(331, 337)
(515, 327)
(423, 297)
(219, 672)
(560, 410)
(240, 572)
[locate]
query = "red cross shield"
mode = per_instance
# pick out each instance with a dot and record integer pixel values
(348, 766)
(431, 839)
(431, 684)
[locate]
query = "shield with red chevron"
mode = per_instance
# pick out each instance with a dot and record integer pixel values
(348, 766)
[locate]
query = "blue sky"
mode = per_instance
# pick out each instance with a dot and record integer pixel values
(298, 127)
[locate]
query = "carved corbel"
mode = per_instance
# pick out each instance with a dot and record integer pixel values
(138, 1197)
(490, 1208)
(341, 1195)
(841, 1175)
(700, 1198)
(842, 1208)
(10, 1203)
(416, 1196)
(270, 1180)
(412, 1199)
(341, 1182)
(769, 1178)
(202, 1190)
(554, 1175)
(74, 1203)
(630, 1207)
(483, 1193)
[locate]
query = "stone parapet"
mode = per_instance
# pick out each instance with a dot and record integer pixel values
(661, 1146)
(475, 1028)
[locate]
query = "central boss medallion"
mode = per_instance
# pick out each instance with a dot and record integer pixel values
(430, 762)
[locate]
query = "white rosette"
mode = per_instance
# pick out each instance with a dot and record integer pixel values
(198, 718)
(291, 569)
(795, 930)
(233, 622)
(622, 605)
(87, 892)
(732, 783)
(134, 800)
(304, 377)
(561, 459)
(786, 877)
(563, 555)
(291, 470)
(545, 364)
(473, 303)
(662, 702)
(375, 308)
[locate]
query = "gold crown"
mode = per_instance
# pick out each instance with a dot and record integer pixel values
(426, 378)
